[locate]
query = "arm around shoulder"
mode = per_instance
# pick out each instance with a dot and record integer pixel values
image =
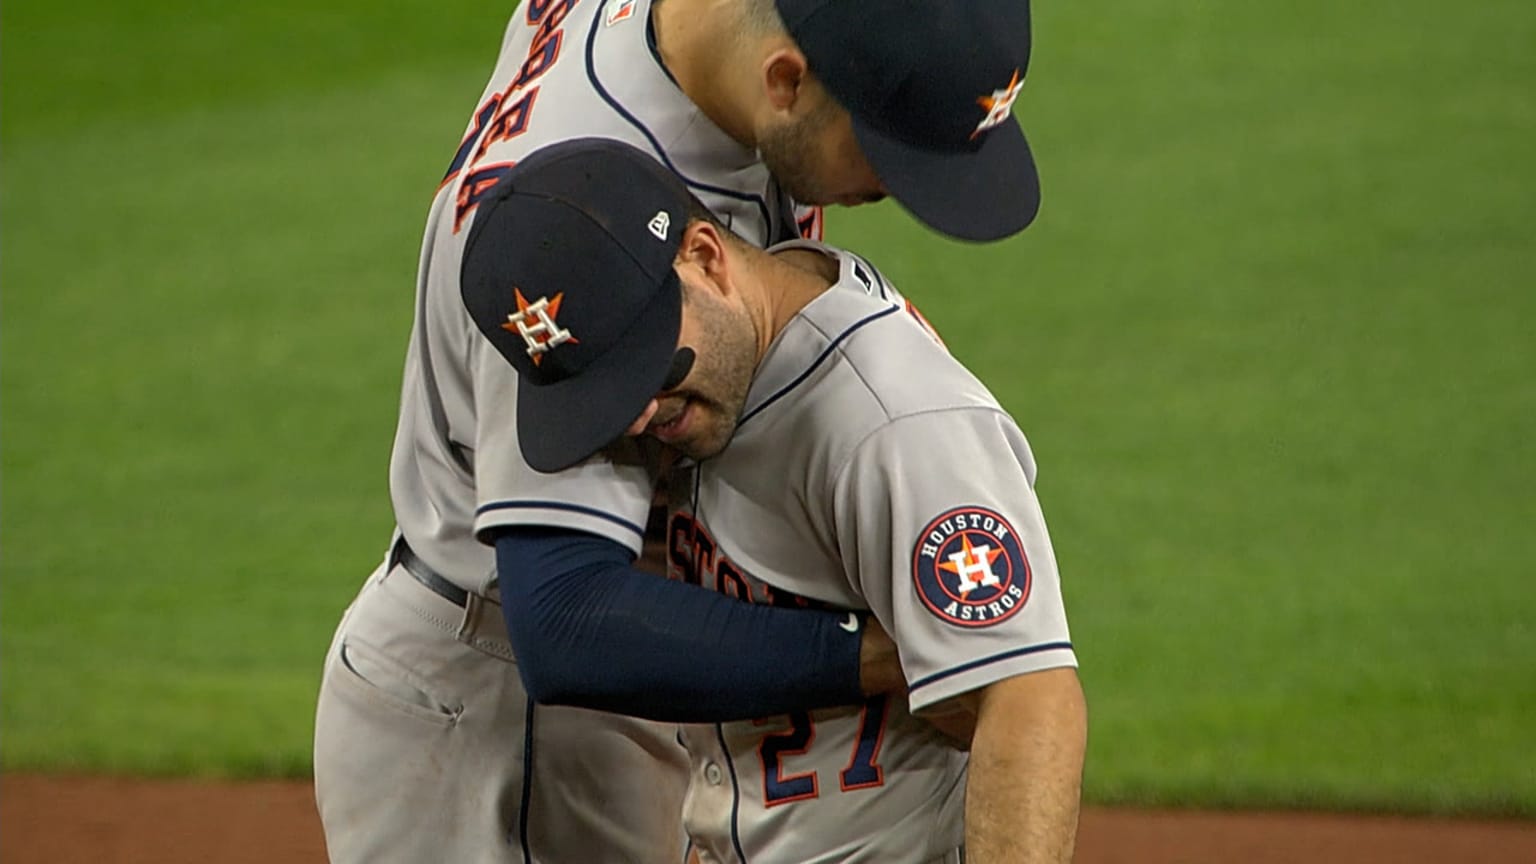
(590, 630)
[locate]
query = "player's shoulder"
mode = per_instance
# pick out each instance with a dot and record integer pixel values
(885, 348)
(907, 371)
(860, 357)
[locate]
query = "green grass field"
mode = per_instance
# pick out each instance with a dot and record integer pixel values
(1268, 339)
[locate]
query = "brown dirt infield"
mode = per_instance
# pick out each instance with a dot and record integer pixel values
(62, 820)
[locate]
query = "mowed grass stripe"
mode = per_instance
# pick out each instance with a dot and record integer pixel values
(202, 361)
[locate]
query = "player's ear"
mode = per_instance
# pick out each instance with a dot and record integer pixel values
(784, 73)
(704, 249)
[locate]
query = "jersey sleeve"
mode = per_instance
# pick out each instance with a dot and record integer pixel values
(939, 527)
(599, 496)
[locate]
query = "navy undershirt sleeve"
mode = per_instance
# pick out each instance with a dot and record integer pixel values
(592, 631)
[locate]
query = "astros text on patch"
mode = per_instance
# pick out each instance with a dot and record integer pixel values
(969, 567)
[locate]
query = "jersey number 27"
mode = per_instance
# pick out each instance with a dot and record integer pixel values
(863, 771)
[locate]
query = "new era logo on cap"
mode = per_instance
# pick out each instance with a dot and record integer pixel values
(659, 223)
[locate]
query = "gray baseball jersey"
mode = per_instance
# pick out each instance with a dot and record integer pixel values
(870, 470)
(420, 712)
(567, 69)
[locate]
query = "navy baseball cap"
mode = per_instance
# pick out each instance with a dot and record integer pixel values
(568, 272)
(931, 86)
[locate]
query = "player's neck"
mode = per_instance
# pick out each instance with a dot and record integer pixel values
(705, 62)
(783, 283)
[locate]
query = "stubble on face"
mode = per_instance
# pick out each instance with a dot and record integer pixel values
(816, 160)
(716, 390)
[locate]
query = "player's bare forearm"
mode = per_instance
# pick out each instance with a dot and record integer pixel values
(1026, 770)
(879, 664)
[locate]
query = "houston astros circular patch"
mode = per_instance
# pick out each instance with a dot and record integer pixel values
(969, 567)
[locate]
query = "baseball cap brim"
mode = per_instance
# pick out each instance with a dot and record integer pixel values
(562, 424)
(981, 195)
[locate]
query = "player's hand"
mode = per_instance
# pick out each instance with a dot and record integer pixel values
(879, 666)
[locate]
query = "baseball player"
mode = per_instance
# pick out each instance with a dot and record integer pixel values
(866, 469)
(431, 742)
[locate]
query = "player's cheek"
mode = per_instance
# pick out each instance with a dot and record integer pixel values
(715, 433)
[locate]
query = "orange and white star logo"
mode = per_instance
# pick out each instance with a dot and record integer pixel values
(999, 105)
(969, 567)
(973, 564)
(535, 322)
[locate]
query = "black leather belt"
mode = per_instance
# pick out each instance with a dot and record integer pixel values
(435, 582)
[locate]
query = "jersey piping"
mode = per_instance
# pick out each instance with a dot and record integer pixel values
(650, 136)
(559, 505)
(730, 764)
(826, 352)
(987, 661)
(650, 43)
